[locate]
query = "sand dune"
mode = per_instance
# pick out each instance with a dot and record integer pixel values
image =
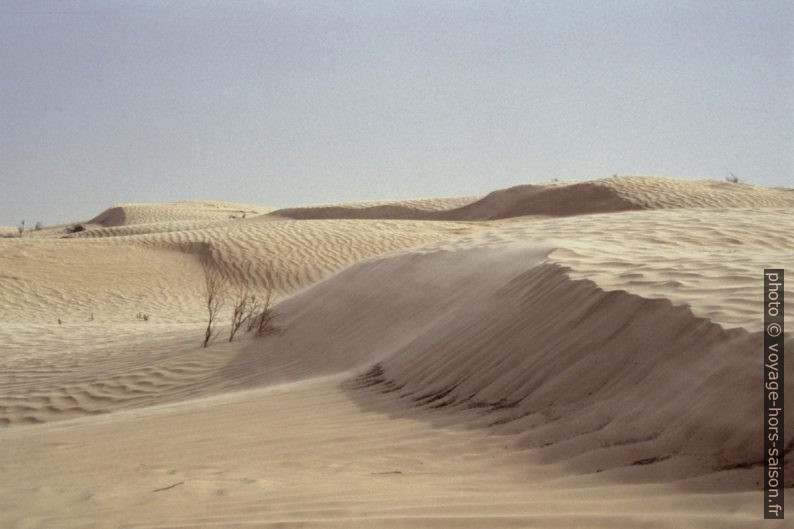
(159, 271)
(419, 209)
(520, 362)
(568, 198)
(131, 214)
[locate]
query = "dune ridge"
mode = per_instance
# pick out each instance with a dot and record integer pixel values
(559, 199)
(131, 214)
(580, 400)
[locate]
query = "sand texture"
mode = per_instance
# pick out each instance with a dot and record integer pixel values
(571, 354)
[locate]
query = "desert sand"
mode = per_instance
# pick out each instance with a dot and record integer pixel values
(570, 354)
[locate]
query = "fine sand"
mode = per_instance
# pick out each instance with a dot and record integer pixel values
(571, 354)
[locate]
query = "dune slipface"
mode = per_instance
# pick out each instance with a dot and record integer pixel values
(564, 355)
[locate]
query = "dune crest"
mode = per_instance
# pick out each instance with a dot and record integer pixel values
(131, 214)
(560, 199)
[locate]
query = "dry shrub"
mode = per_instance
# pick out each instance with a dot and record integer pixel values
(261, 316)
(241, 311)
(214, 296)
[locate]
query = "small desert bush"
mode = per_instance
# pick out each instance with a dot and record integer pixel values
(214, 296)
(732, 178)
(241, 311)
(262, 320)
(253, 312)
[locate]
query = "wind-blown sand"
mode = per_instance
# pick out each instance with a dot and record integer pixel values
(566, 355)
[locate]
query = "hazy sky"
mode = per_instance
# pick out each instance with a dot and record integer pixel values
(287, 103)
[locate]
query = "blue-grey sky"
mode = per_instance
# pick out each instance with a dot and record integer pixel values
(287, 103)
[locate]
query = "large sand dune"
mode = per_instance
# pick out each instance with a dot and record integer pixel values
(565, 355)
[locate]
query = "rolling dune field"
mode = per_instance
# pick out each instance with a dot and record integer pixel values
(563, 355)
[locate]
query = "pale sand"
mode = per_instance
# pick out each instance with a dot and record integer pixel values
(557, 369)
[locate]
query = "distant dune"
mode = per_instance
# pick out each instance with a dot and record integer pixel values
(131, 214)
(564, 199)
(562, 355)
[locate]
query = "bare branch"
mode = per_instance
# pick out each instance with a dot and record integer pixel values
(260, 316)
(214, 295)
(263, 320)
(242, 309)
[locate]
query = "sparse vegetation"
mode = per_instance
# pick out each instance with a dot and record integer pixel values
(732, 178)
(262, 318)
(255, 313)
(39, 225)
(241, 311)
(214, 294)
(248, 311)
(21, 228)
(144, 316)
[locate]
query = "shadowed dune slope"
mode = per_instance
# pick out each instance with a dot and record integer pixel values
(603, 380)
(557, 201)
(418, 209)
